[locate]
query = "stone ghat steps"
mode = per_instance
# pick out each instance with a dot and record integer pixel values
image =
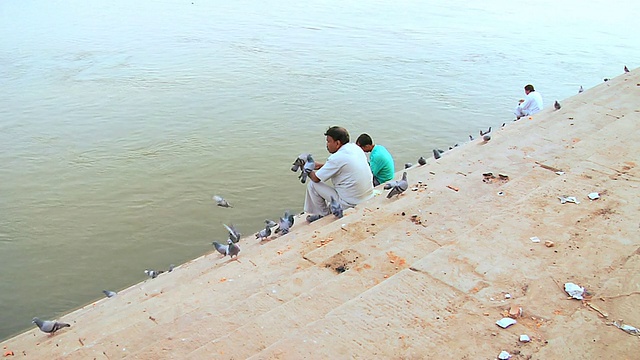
(381, 284)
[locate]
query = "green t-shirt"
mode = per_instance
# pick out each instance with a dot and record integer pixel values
(381, 164)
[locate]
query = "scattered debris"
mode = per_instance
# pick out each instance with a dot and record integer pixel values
(594, 196)
(515, 311)
(500, 193)
(626, 328)
(524, 338)
(544, 166)
(507, 296)
(453, 188)
(504, 355)
(505, 322)
(535, 239)
(549, 243)
(566, 199)
(574, 290)
(559, 172)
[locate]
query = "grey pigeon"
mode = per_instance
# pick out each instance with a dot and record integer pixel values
(220, 201)
(557, 105)
(408, 165)
(626, 69)
(49, 326)
(422, 161)
(109, 293)
(336, 207)
(297, 164)
(234, 235)
(580, 90)
(234, 249)
(309, 166)
(400, 187)
(171, 267)
(264, 233)
(436, 154)
(390, 184)
(485, 132)
(153, 273)
(270, 223)
(285, 223)
(222, 249)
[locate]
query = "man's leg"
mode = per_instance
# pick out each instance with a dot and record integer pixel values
(518, 112)
(318, 197)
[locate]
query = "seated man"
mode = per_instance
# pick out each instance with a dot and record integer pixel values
(530, 105)
(380, 159)
(349, 172)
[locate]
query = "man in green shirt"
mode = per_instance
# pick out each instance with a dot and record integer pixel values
(380, 160)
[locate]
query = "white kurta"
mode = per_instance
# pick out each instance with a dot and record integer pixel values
(531, 105)
(351, 176)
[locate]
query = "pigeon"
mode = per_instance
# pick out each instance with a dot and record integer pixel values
(285, 223)
(626, 69)
(109, 293)
(407, 165)
(264, 233)
(153, 273)
(298, 163)
(400, 187)
(470, 137)
(336, 207)
(580, 90)
(234, 249)
(436, 154)
(220, 201)
(309, 166)
(222, 249)
(270, 223)
(48, 326)
(557, 105)
(422, 161)
(390, 184)
(485, 132)
(234, 235)
(171, 267)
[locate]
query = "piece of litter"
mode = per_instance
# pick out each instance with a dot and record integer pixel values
(505, 322)
(560, 172)
(504, 355)
(414, 189)
(524, 338)
(574, 290)
(500, 193)
(626, 328)
(548, 243)
(535, 239)
(594, 196)
(507, 296)
(566, 199)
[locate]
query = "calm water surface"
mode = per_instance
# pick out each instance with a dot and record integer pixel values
(119, 120)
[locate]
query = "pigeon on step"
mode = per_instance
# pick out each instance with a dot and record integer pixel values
(49, 326)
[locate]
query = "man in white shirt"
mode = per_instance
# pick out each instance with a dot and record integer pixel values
(349, 171)
(530, 105)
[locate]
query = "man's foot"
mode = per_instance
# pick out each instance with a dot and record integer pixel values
(312, 218)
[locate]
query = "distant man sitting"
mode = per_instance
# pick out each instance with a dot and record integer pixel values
(530, 105)
(348, 170)
(380, 159)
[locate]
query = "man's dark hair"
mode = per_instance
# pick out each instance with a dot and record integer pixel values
(529, 88)
(364, 140)
(338, 133)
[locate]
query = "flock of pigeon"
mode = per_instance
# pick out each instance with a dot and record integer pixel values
(305, 163)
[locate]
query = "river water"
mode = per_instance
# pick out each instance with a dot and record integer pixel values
(119, 120)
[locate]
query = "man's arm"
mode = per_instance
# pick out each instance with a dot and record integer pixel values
(313, 177)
